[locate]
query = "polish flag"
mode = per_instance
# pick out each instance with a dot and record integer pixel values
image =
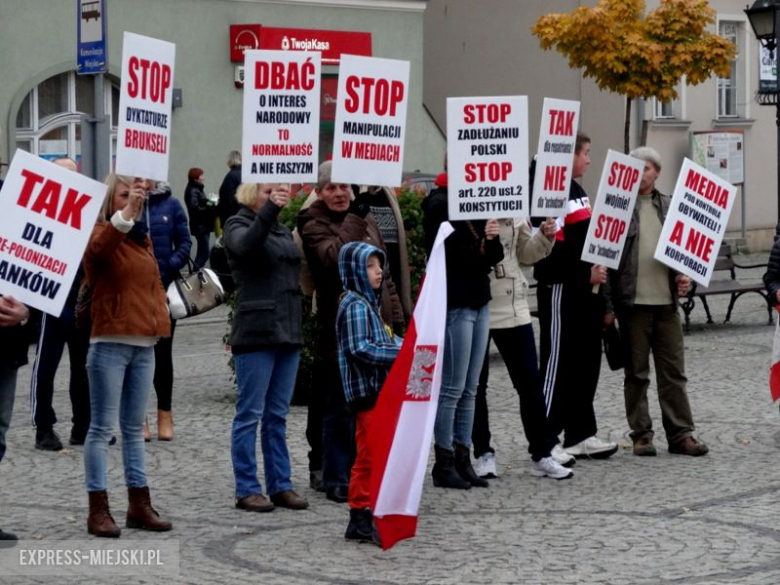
(774, 370)
(402, 420)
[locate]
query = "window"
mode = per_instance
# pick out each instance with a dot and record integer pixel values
(731, 89)
(664, 110)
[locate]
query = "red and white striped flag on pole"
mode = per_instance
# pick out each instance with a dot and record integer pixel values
(774, 369)
(402, 421)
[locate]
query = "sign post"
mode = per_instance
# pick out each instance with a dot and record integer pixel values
(91, 37)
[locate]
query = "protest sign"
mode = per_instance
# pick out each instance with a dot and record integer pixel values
(555, 157)
(281, 117)
(368, 142)
(144, 132)
(46, 217)
(611, 215)
(487, 157)
(696, 222)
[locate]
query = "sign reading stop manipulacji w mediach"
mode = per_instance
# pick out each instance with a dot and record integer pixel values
(611, 215)
(487, 157)
(696, 222)
(368, 141)
(281, 136)
(146, 96)
(46, 217)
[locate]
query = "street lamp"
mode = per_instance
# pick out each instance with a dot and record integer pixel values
(763, 17)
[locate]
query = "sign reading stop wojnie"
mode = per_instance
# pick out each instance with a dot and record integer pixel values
(46, 217)
(487, 157)
(696, 222)
(368, 141)
(611, 215)
(143, 136)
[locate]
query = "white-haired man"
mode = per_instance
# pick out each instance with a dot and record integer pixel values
(643, 293)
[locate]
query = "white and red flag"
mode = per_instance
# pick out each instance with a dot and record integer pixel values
(774, 369)
(402, 421)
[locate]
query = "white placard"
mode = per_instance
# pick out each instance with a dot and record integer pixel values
(696, 222)
(487, 157)
(46, 217)
(368, 142)
(144, 132)
(281, 136)
(555, 157)
(611, 215)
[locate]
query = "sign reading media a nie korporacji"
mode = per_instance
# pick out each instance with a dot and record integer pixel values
(696, 222)
(46, 217)
(144, 132)
(90, 37)
(615, 201)
(280, 141)
(487, 157)
(368, 141)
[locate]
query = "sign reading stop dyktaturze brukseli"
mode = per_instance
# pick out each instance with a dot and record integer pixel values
(487, 157)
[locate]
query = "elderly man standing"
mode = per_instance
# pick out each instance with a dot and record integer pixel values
(644, 295)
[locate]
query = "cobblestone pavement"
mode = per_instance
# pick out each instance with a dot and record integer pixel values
(628, 520)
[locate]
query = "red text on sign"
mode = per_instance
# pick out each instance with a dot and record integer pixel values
(155, 79)
(561, 123)
(696, 243)
(380, 95)
(47, 200)
(487, 171)
(610, 228)
(622, 176)
(490, 113)
(292, 75)
(555, 178)
(711, 191)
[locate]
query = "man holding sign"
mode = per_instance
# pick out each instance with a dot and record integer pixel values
(644, 294)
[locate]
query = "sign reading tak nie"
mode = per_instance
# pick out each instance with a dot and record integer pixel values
(611, 216)
(555, 157)
(368, 142)
(696, 222)
(487, 157)
(46, 217)
(143, 136)
(281, 117)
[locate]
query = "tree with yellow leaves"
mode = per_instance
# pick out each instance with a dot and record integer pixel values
(638, 55)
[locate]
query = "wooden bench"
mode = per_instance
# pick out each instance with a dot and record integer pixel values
(733, 286)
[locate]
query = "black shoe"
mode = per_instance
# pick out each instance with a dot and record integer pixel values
(47, 440)
(338, 494)
(465, 469)
(77, 437)
(315, 480)
(7, 539)
(361, 526)
(444, 473)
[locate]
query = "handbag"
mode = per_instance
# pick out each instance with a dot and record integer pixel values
(612, 347)
(194, 294)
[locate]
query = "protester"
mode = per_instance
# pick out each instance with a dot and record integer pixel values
(129, 314)
(571, 319)
(167, 224)
(228, 206)
(55, 333)
(201, 212)
(471, 250)
(265, 339)
(513, 334)
(366, 351)
(325, 226)
(644, 293)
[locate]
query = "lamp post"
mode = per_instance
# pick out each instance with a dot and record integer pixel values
(763, 17)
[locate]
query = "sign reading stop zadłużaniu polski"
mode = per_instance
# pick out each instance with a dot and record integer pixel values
(696, 222)
(46, 217)
(144, 133)
(368, 141)
(487, 157)
(281, 117)
(611, 215)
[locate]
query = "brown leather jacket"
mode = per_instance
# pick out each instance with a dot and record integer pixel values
(127, 295)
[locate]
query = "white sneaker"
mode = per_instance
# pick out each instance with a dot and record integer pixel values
(485, 465)
(561, 457)
(549, 467)
(592, 447)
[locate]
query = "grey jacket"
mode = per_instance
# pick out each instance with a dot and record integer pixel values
(620, 290)
(265, 263)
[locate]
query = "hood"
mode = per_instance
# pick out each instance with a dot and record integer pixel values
(162, 190)
(353, 258)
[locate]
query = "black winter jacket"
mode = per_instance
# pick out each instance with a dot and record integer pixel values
(772, 275)
(201, 214)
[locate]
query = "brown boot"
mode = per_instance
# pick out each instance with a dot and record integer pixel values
(164, 425)
(147, 432)
(140, 513)
(99, 522)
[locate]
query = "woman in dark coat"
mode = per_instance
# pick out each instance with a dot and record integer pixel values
(201, 214)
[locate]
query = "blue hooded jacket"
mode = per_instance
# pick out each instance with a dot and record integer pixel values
(366, 349)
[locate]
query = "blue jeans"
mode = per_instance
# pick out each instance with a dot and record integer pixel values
(266, 380)
(120, 381)
(7, 395)
(465, 342)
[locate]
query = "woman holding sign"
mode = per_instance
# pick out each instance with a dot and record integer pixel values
(129, 315)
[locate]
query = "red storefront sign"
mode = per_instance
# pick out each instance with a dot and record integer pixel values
(243, 37)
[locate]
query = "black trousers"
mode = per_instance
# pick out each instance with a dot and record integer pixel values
(55, 333)
(518, 350)
(163, 370)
